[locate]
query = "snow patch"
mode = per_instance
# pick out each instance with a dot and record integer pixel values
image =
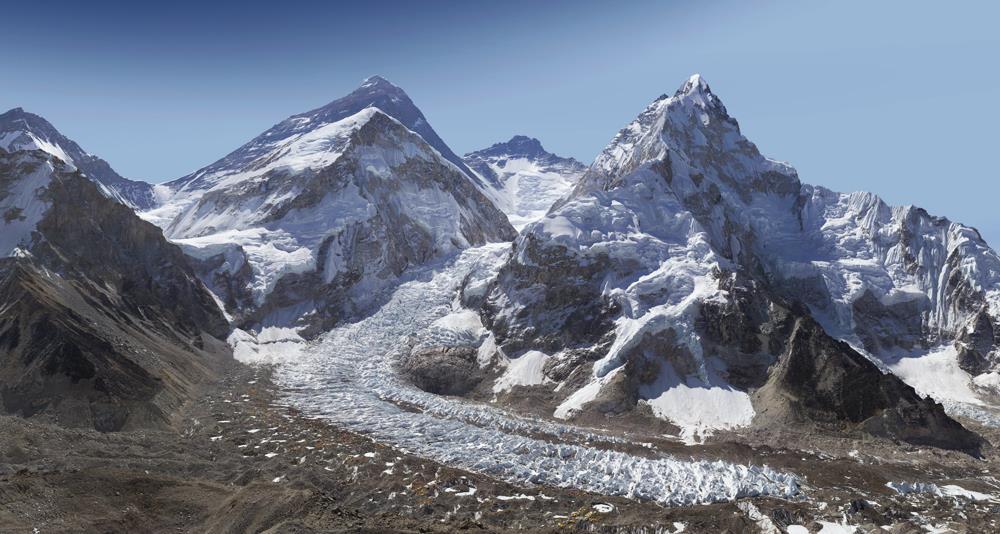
(271, 345)
(698, 407)
(936, 374)
(949, 490)
(524, 370)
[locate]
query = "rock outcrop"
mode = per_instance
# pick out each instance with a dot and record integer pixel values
(102, 322)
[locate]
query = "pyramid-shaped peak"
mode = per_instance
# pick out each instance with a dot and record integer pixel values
(377, 83)
(13, 112)
(19, 114)
(374, 92)
(525, 143)
(696, 84)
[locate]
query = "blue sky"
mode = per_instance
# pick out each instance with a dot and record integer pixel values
(898, 98)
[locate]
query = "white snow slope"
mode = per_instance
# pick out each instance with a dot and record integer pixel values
(524, 180)
(353, 197)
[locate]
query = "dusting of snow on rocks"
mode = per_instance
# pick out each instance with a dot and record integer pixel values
(23, 202)
(23, 131)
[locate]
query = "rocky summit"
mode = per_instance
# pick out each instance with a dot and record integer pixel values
(524, 179)
(20, 130)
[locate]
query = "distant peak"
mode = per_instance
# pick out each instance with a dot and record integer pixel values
(19, 113)
(377, 82)
(694, 85)
(525, 143)
(518, 146)
(20, 119)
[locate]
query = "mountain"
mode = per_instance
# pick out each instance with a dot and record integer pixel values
(526, 179)
(20, 130)
(374, 92)
(103, 323)
(690, 278)
(305, 223)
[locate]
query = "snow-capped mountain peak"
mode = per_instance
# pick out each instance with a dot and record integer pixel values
(374, 92)
(518, 146)
(696, 90)
(694, 84)
(681, 222)
(340, 200)
(523, 178)
(376, 81)
(27, 131)
(21, 130)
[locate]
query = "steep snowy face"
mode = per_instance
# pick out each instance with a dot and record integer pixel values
(523, 178)
(20, 130)
(895, 279)
(312, 222)
(24, 179)
(672, 270)
(885, 279)
(374, 92)
(613, 280)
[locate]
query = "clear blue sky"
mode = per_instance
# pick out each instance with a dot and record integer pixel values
(899, 98)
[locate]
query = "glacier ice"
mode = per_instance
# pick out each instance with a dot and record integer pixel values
(347, 378)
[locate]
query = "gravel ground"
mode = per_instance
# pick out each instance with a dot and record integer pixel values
(242, 462)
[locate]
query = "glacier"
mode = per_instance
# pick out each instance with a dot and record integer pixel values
(347, 378)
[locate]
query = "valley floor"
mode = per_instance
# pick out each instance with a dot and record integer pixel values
(333, 441)
(243, 462)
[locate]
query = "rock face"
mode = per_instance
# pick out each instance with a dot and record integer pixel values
(303, 225)
(102, 322)
(524, 179)
(20, 130)
(821, 379)
(443, 370)
(681, 268)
